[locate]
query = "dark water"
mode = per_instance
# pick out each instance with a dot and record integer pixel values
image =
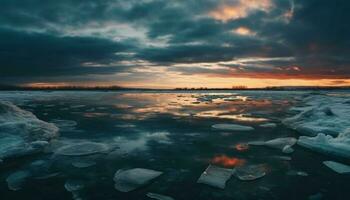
(172, 133)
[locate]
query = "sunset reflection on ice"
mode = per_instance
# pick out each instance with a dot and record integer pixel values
(227, 161)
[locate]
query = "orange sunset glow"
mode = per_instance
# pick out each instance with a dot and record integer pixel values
(220, 44)
(228, 161)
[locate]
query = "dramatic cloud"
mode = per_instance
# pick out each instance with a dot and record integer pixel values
(244, 31)
(240, 9)
(143, 41)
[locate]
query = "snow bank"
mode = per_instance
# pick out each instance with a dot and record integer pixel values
(21, 132)
(322, 114)
(327, 118)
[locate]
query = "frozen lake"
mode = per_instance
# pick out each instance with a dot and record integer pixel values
(64, 145)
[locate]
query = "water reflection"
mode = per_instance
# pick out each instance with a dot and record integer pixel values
(211, 105)
(241, 147)
(227, 161)
(223, 115)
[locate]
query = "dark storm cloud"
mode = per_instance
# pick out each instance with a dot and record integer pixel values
(33, 54)
(73, 37)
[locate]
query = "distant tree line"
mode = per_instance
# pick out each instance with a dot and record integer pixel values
(116, 88)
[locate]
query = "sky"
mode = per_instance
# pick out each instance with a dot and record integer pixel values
(175, 43)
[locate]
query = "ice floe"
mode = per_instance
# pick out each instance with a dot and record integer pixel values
(131, 179)
(39, 168)
(287, 149)
(21, 132)
(284, 144)
(338, 167)
(158, 196)
(141, 143)
(17, 179)
(82, 149)
(232, 127)
(65, 125)
(215, 176)
(250, 172)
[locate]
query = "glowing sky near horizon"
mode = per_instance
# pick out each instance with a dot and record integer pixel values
(167, 44)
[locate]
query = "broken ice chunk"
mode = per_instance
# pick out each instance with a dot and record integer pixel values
(65, 125)
(337, 167)
(81, 149)
(281, 143)
(128, 180)
(338, 146)
(74, 186)
(232, 127)
(83, 164)
(215, 176)
(250, 172)
(287, 149)
(17, 179)
(285, 144)
(158, 196)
